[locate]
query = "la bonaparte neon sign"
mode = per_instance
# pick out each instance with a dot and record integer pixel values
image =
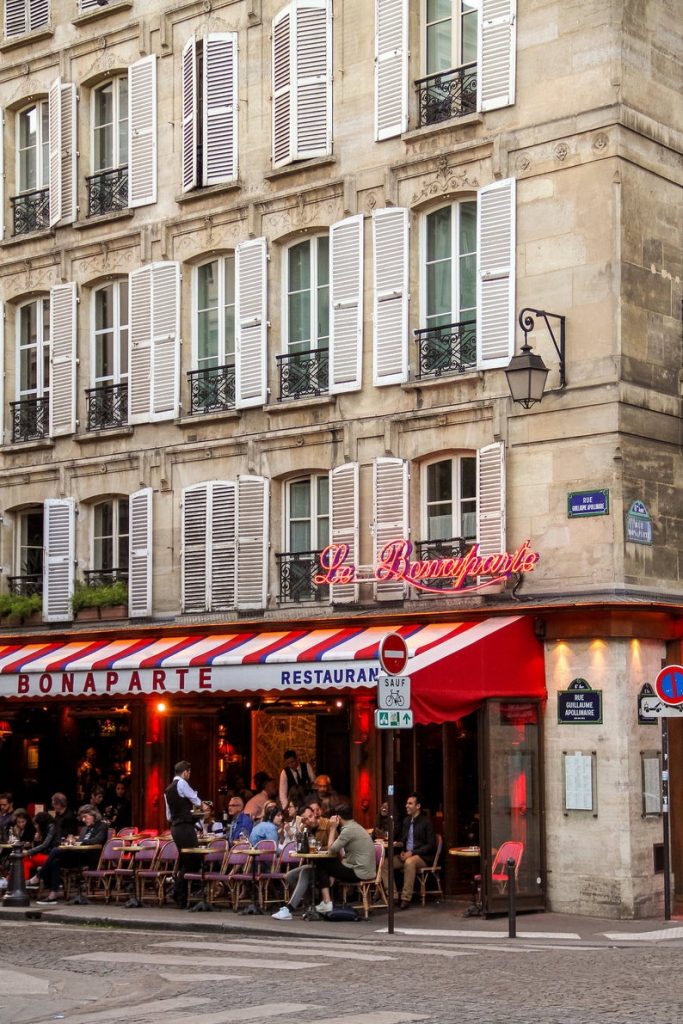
(395, 564)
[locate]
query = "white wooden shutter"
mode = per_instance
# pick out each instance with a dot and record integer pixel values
(90, 5)
(252, 542)
(312, 101)
(140, 557)
(189, 113)
(142, 132)
(63, 355)
(496, 274)
(491, 498)
(250, 322)
(390, 295)
(346, 304)
(59, 533)
(344, 524)
(154, 343)
(222, 538)
(38, 14)
(195, 555)
(69, 142)
(54, 108)
(219, 108)
(2, 372)
(497, 58)
(390, 501)
(2, 173)
(282, 88)
(15, 18)
(391, 68)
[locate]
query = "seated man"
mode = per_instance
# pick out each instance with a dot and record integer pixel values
(419, 844)
(239, 823)
(358, 864)
(93, 833)
(318, 828)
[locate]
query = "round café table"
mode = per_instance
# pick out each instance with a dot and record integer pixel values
(475, 907)
(311, 914)
(200, 851)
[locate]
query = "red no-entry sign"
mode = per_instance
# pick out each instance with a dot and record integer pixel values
(393, 654)
(669, 684)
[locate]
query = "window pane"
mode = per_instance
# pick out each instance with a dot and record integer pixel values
(104, 105)
(44, 175)
(28, 324)
(439, 47)
(123, 121)
(440, 481)
(300, 319)
(104, 309)
(300, 266)
(300, 536)
(104, 519)
(123, 352)
(468, 43)
(323, 496)
(468, 287)
(438, 9)
(104, 356)
(300, 499)
(439, 292)
(207, 337)
(229, 270)
(103, 140)
(439, 234)
(123, 302)
(207, 285)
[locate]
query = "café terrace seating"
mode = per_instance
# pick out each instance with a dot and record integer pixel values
(368, 891)
(101, 877)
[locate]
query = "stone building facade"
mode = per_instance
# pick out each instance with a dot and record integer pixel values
(260, 276)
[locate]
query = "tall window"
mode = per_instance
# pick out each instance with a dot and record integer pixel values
(111, 333)
(451, 34)
(33, 171)
(215, 313)
(110, 537)
(450, 509)
(451, 264)
(33, 336)
(30, 550)
(308, 295)
(110, 124)
(308, 514)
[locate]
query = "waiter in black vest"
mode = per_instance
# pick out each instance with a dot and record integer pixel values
(180, 798)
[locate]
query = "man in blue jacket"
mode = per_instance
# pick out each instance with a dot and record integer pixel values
(239, 823)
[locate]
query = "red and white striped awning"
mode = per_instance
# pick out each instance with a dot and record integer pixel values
(450, 664)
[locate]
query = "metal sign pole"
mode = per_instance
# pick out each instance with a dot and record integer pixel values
(390, 832)
(665, 819)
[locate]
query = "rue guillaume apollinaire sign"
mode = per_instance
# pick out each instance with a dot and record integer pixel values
(587, 503)
(579, 705)
(460, 573)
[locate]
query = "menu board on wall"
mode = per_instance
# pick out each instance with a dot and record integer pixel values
(579, 781)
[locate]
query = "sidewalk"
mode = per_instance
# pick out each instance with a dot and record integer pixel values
(434, 923)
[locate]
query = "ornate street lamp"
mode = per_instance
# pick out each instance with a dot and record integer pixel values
(526, 373)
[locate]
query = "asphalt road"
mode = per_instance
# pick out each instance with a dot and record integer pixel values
(90, 974)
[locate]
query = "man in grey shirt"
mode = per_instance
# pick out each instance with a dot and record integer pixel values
(358, 864)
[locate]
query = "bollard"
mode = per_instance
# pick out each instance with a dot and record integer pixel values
(512, 908)
(16, 895)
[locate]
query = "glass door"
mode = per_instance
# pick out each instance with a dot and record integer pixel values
(512, 804)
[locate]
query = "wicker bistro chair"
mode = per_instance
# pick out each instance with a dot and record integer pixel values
(103, 875)
(370, 890)
(287, 859)
(265, 865)
(432, 871)
(156, 874)
(143, 858)
(213, 864)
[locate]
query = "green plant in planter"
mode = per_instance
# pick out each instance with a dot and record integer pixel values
(106, 595)
(17, 607)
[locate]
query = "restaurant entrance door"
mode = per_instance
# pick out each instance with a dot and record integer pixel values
(511, 802)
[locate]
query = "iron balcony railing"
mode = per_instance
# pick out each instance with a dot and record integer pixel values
(447, 94)
(30, 419)
(107, 406)
(31, 211)
(304, 373)
(107, 191)
(31, 583)
(212, 389)
(451, 348)
(297, 577)
(450, 547)
(104, 577)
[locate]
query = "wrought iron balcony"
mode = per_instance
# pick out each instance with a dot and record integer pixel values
(31, 211)
(104, 577)
(447, 94)
(448, 349)
(32, 583)
(297, 573)
(107, 406)
(304, 373)
(212, 389)
(107, 191)
(428, 550)
(30, 419)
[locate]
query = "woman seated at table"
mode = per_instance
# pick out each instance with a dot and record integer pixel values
(45, 838)
(268, 827)
(291, 822)
(22, 830)
(93, 833)
(207, 824)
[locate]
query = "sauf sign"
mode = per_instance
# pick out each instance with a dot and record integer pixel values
(462, 573)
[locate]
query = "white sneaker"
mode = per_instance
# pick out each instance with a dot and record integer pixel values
(283, 914)
(324, 907)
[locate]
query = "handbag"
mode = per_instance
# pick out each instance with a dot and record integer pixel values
(343, 914)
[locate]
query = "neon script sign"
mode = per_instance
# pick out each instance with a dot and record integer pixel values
(395, 564)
